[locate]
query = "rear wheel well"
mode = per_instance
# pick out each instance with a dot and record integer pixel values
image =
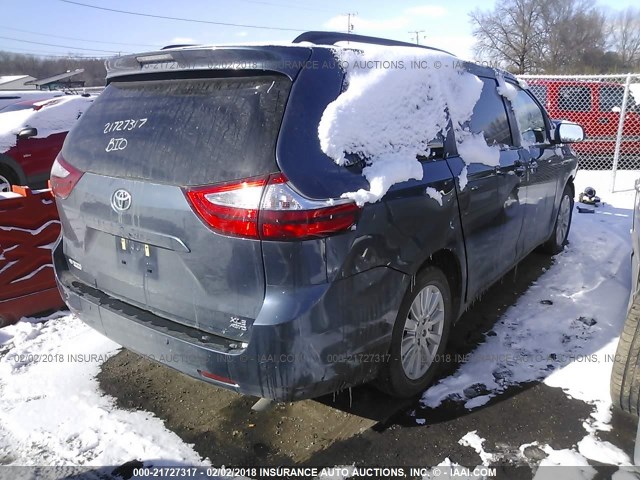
(449, 264)
(11, 167)
(7, 177)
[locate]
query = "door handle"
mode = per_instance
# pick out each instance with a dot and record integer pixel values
(519, 169)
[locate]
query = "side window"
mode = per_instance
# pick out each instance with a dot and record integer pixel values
(530, 119)
(574, 98)
(611, 97)
(490, 116)
(540, 92)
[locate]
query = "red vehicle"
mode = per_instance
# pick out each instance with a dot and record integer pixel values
(32, 134)
(596, 106)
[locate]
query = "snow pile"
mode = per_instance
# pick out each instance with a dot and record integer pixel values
(473, 148)
(53, 413)
(603, 452)
(505, 89)
(473, 440)
(565, 457)
(397, 100)
(53, 116)
(435, 194)
(510, 92)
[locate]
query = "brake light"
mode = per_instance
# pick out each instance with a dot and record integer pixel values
(45, 103)
(231, 208)
(269, 208)
(286, 215)
(63, 177)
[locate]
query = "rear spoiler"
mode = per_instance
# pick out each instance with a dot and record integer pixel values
(285, 60)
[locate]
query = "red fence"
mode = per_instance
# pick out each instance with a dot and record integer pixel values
(29, 226)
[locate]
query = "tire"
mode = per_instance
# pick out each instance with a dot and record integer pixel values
(7, 179)
(558, 239)
(398, 378)
(625, 375)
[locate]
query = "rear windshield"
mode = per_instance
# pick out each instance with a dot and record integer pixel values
(182, 132)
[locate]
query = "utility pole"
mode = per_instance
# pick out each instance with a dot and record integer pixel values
(349, 24)
(417, 35)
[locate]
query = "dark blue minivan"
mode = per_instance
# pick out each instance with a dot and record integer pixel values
(204, 227)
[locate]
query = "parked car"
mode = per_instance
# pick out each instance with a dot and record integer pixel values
(625, 375)
(31, 135)
(596, 106)
(9, 97)
(204, 227)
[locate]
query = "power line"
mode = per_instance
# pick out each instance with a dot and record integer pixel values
(60, 46)
(75, 38)
(182, 19)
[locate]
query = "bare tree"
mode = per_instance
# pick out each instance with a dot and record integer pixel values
(551, 36)
(510, 33)
(624, 36)
(575, 36)
(41, 66)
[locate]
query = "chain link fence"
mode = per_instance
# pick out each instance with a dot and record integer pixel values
(608, 108)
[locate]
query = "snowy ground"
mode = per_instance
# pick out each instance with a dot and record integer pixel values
(564, 330)
(560, 332)
(51, 409)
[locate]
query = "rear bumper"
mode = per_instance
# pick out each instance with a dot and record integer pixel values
(305, 343)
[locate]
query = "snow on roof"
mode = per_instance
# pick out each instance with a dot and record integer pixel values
(397, 100)
(53, 78)
(15, 81)
(11, 78)
(54, 116)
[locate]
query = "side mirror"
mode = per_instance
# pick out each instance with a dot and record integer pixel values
(28, 132)
(568, 132)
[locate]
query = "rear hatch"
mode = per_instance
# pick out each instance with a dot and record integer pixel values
(129, 228)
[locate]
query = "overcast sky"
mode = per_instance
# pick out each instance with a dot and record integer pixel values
(445, 23)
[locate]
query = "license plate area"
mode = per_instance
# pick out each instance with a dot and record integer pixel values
(137, 257)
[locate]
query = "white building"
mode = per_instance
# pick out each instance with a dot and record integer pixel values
(16, 82)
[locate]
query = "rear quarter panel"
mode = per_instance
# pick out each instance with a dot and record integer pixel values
(403, 230)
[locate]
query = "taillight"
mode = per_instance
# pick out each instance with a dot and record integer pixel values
(45, 103)
(287, 215)
(230, 208)
(63, 177)
(269, 208)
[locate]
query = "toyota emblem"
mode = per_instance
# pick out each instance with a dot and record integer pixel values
(120, 200)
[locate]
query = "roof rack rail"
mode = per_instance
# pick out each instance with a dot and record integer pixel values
(179, 45)
(331, 38)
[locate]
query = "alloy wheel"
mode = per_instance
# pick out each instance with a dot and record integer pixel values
(422, 333)
(564, 216)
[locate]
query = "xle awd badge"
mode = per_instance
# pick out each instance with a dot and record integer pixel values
(120, 200)
(238, 323)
